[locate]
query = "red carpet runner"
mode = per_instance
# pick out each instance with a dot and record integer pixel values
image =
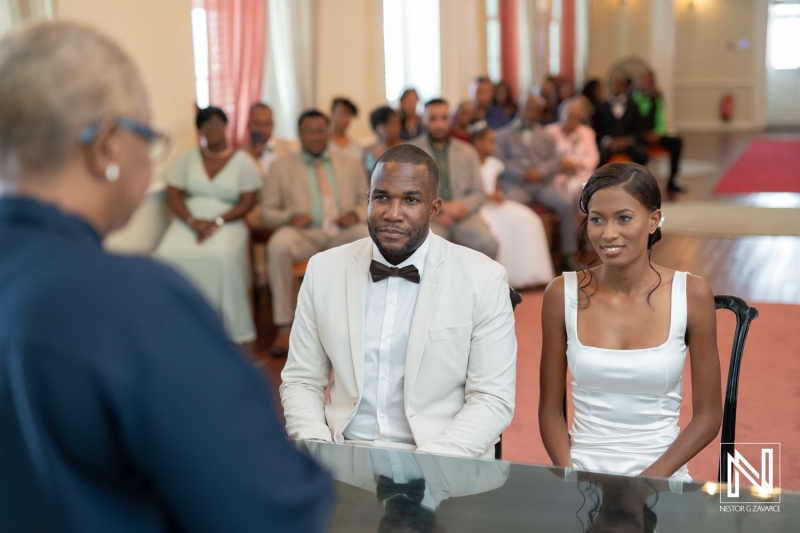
(769, 393)
(766, 165)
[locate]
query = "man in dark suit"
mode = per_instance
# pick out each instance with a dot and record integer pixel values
(618, 124)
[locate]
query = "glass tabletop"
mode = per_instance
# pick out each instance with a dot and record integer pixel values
(391, 490)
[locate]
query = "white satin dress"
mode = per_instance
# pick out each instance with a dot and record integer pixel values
(519, 231)
(626, 402)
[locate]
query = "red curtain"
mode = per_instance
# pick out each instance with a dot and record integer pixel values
(237, 32)
(567, 59)
(508, 12)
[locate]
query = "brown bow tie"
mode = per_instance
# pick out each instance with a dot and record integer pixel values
(380, 271)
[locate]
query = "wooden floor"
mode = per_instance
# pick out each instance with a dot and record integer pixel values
(758, 269)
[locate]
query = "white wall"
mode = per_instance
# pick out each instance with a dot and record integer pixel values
(463, 37)
(617, 29)
(157, 34)
(350, 58)
(709, 62)
(695, 51)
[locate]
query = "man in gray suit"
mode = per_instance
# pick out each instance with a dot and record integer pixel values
(460, 185)
(531, 161)
(314, 200)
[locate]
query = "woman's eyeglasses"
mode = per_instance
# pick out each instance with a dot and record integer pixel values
(159, 143)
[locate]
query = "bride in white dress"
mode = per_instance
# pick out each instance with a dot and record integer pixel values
(623, 328)
(523, 249)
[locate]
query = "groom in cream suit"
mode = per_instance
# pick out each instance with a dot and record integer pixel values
(419, 332)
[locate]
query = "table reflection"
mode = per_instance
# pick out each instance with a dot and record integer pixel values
(393, 490)
(615, 503)
(409, 486)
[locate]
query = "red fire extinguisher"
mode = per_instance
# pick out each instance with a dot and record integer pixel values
(726, 107)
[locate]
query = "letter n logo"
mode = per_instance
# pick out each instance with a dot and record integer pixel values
(755, 462)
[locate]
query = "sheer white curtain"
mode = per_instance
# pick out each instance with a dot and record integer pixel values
(15, 12)
(289, 79)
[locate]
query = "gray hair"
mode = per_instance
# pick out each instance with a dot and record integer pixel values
(582, 101)
(56, 79)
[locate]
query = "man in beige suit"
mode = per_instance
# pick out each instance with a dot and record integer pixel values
(314, 200)
(419, 332)
(460, 185)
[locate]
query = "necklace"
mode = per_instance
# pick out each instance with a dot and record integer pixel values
(222, 154)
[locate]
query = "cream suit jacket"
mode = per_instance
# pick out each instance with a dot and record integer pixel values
(460, 370)
(287, 191)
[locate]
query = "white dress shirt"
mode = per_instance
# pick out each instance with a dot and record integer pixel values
(268, 156)
(618, 105)
(390, 305)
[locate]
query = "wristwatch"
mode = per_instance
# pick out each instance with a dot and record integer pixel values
(219, 221)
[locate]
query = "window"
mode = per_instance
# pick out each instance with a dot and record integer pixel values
(412, 50)
(784, 36)
(200, 46)
(555, 38)
(492, 40)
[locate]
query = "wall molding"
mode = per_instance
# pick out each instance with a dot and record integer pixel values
(715, 83)
(717, 126)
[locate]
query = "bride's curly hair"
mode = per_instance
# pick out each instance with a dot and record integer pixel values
(635, 180)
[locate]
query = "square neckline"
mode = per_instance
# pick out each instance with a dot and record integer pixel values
(669, 332)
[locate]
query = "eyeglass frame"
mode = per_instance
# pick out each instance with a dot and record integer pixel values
(144, 131)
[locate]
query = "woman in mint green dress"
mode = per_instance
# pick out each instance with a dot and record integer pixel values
(209, 191)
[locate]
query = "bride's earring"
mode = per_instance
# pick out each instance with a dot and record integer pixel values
(112, 172)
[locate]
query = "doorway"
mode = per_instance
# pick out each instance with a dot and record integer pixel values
(783, 63)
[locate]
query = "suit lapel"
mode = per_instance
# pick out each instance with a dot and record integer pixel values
(299, 178)
(429, 289)
(356, 280)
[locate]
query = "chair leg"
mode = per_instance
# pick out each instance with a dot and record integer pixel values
(744, 315)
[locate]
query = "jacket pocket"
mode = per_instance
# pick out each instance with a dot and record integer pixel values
(450, 332)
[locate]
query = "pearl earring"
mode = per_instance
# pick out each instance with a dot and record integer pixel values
(112, 172)
(661, 223)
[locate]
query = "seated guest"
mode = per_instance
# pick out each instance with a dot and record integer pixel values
(460, 185)
(462, 119)
(608, 325)
(343, 111)
(548, 90)
(412, 336)
(386, 124)
(504, 99)
(314, 200)
(481, 91)
(209, 191)
(651, 107)
(576, 145)
(594, 94)
(531, 162)
(566, 89)
(618, 125)
(263, 146)
(523, 248)
(124, 406)
(410, 122)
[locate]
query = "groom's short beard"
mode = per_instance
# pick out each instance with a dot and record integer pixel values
(415, 240)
